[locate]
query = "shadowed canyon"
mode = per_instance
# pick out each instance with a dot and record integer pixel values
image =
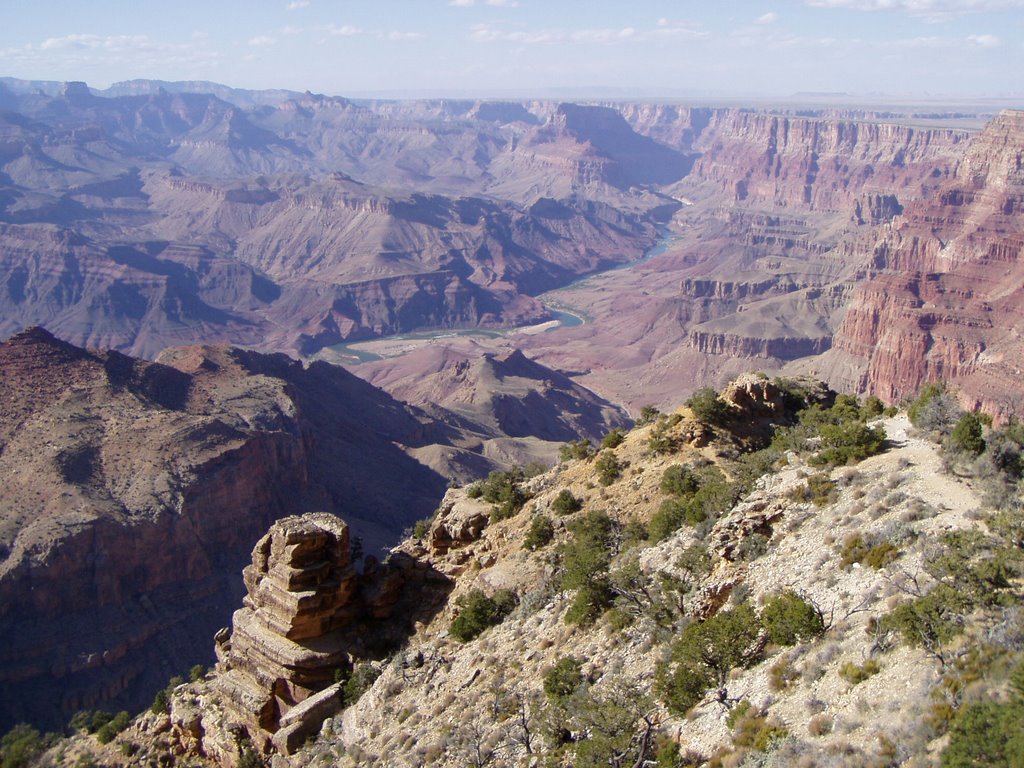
(225, 308)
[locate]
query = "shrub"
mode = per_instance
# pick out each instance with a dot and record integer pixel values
(782, 674)
(197, 673)
(660, 441)
(502, 489)
(21, 745)
(678, 480)
(705, 653)
(161, 703)
(478, 612)
(474, 491)
(934, 409)
(608, 468)
(752, 729)
(585, 561)
(707, 407)
(106, 733)
(867, 550)
(648, 414)
(613, 439)
(873, 407)
(359, 681)
(563, 679)
(540, 533)
(421, 528)
(986, 734)
(576, 449)
(565, 503)
(854, 673)
(788, 619)
(966, 436)
(671, 515)
(848, 443)
(930, 621)
(819, 489)
(819, 725)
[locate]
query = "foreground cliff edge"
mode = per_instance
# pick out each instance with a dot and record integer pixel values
(663, 600)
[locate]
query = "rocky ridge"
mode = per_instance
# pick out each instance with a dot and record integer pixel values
(441, 701)
(133, 492)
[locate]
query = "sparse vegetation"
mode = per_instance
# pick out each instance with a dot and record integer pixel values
(858, 673)
(478, 612)
(609, 468)
(540, 533)
(708, 407)
(565, 503)
(613, 439)
(789, 618)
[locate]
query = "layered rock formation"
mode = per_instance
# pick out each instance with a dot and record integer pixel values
(945, 291)
(281, 650)
(133, 492)
(307, 616)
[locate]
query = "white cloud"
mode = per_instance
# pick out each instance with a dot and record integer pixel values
(96, 42)
(985, 41)
(931, 10)
(485, 33)
(602, 35)
(768, 18)
(462, 3)
(261, 41)
(295, 5)
(399, 36)
(128, 52)
(345, 30)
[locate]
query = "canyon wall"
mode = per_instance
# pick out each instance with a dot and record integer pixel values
(134, 492)
(944, 296)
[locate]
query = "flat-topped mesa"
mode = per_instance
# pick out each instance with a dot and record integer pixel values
(284, 646)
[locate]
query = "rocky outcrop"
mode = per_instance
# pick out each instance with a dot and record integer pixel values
(133, 492)
(308, 615)
(283, 647)
(735, 345)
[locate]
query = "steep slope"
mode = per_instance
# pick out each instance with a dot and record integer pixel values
(777, 212)
(800, 594)
(519, 408)
(133, 492)
(943, 297)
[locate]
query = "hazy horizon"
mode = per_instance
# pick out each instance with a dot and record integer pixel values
(887, 49)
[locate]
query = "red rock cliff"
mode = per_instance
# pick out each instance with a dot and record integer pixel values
(946, 297)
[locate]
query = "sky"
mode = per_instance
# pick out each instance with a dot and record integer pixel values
(728, 48)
